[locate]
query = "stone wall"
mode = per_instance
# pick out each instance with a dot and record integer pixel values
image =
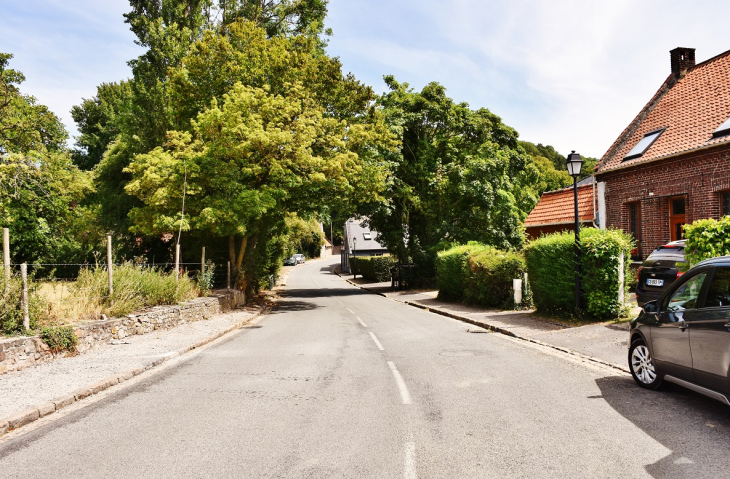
(22, 352)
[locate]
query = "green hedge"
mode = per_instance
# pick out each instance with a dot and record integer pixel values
(452, 271)
(551, 269)
(707, 239)
(372, 268)
(478, 274)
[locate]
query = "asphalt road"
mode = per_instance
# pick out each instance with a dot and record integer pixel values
(340, 383)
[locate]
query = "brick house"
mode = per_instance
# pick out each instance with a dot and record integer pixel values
(671, 165)
(556, 210)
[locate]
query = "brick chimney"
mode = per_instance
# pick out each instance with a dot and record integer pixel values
(682, 60)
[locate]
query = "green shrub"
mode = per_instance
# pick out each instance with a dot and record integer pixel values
(551, 269)
(452, 271)
(11, 314)
(706, 239)
(205, 278)
(489, 281)
(135, 287)
(59, 338)
(372, 268)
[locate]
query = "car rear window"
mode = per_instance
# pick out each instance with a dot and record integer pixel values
(664, 258)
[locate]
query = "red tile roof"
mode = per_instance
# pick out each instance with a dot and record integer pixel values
(690, 109)
(557, 207)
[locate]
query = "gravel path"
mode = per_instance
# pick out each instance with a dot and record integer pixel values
(20, 390)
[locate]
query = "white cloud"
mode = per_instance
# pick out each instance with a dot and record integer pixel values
(571, 73)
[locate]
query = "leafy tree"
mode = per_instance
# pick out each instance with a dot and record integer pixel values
(100, 121)
(271, 155)
(25, 125)
(40, 189)
(460, 175)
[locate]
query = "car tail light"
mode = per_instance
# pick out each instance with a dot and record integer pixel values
(638, 273)
(679, 273)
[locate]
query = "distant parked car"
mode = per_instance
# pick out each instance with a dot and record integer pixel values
(683, 337)
(659, 271)
(300, 258)
(290, 261)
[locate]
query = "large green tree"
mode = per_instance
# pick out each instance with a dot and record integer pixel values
(249, 162)
(40, 188)
(460, 175)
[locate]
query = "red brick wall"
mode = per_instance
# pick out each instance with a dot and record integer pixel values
(700, 177)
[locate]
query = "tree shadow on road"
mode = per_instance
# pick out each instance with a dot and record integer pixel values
(695, 428)
(321, 292)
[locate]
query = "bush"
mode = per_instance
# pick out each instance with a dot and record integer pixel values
(706, 239)
(489, 282)
(452, 270)
(551, 269)
(11, 314)
(372, 268)
(478, 274)
(59, 338)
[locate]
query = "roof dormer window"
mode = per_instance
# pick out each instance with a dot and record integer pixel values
(722, 130)
(644, 144)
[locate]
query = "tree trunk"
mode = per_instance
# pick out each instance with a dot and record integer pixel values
(248, 271)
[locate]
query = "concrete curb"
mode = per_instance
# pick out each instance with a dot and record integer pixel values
(30, 415)
(499, 330)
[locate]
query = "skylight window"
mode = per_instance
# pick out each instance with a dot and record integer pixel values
(644, 144)
(722, 130)
(366, 236)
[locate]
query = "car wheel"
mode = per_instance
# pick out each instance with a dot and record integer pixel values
(642, 366)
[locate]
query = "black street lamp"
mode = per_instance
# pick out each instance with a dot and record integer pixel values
(574, 164)
(354, 255)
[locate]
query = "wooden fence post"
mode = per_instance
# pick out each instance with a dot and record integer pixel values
(110, 265)
(24, 297)
(202, 265)
(177, 261)
(229, 275)
(6, 255)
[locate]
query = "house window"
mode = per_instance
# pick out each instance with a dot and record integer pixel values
(366, 236)
(644, 144)
(635, 228)
(725, 204)
(676, 218)
(722, 130)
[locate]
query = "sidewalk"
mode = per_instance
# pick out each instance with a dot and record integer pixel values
(605, 343)
(41, 390)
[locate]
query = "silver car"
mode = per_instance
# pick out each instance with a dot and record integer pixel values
(299, 258)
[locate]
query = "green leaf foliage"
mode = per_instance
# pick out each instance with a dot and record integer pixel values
(460, 175)
(478, 274)
(707, 238)
(372, 268)
(59, 338)
(551, 268)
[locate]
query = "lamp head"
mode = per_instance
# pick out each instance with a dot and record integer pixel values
(574, 164)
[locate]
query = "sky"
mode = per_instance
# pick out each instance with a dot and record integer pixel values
(569, 73)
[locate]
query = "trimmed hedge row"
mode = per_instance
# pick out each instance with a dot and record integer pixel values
(478, 274)
(551, 269)
(373, 268)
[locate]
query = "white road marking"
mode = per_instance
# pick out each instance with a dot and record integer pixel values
(353, 312)
(404, 394)
(377, 343)
(361, 322)
(340, 302)
(409, 466)
(315, 281)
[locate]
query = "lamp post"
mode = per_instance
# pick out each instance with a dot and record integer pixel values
(354, 255)
(574, 164)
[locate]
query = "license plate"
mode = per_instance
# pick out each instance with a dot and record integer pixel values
(655, 282)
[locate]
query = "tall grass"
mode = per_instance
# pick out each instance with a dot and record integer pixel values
(135, 288)
(11, 314)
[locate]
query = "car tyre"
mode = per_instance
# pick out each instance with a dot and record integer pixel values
(642, 366)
